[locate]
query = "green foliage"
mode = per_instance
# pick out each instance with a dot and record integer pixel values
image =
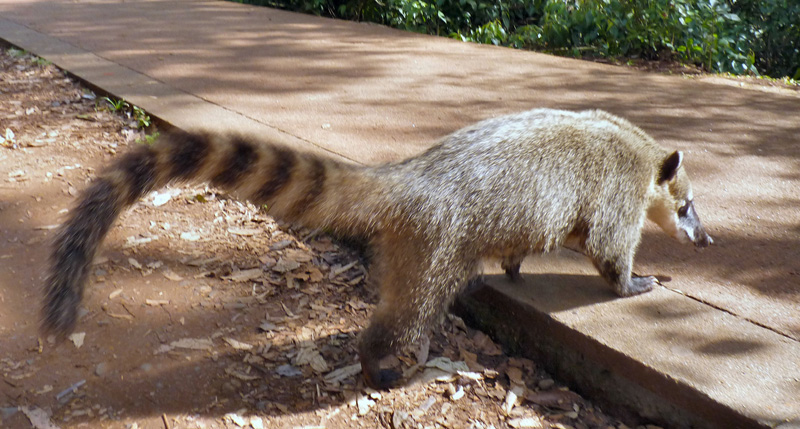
(772, 30)
(23, 54)
(41, 62)
(139, 116)
(148, 139)
(735, 36)
(702, 32)
(116, 105)
(16, 53)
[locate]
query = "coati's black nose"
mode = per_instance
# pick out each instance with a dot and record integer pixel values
(703, 239)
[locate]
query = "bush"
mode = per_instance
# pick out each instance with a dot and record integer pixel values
(772, 29)
(736, 36)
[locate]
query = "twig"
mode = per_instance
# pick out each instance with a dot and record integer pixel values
(70, 389)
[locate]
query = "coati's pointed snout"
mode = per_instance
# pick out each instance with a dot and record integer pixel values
(702, 239)
(689, 223)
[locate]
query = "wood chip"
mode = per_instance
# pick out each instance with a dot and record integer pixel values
(240, 375)
(77, 339)
(244, 275)
(170, 275)
(244, 232)
(340, 374)
(526, 422)
(238, 345)
(335, 272)
(120, 316)
(188, 343)
(135, 264)
(561, 399)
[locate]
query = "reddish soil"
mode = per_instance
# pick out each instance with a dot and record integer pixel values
(203, 312)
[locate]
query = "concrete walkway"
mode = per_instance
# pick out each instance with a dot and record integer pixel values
(727, 326)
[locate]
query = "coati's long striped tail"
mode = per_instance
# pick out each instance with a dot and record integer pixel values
(302, 188)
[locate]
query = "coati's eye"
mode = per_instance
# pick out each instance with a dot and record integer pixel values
(684, 209)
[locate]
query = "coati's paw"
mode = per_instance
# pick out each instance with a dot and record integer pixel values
(512, 271)
(384, 379)
(639, 285)
(514, 275)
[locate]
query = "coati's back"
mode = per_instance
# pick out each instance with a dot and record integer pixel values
(534, 176)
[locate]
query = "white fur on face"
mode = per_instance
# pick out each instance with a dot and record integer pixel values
(668, 221)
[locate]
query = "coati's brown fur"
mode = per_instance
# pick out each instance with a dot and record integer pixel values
(504, 187)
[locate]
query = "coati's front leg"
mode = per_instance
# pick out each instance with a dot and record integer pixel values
(617, 272)
(611, 250)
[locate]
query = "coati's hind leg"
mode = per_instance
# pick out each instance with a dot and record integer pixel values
(415, 289)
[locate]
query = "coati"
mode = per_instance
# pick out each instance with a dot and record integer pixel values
(504, 187)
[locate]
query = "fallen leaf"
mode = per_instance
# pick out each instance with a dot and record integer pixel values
(487, 346)
(267, 326)
(312, 357)
(38, 417)
(447, 365)
(285, 265)
(298, 255)
(288, 371)
(515, 376)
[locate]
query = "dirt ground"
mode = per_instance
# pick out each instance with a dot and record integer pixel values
(202, 312)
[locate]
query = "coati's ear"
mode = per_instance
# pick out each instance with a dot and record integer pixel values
(670, 167)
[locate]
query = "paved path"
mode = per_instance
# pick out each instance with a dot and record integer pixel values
(372, 94)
